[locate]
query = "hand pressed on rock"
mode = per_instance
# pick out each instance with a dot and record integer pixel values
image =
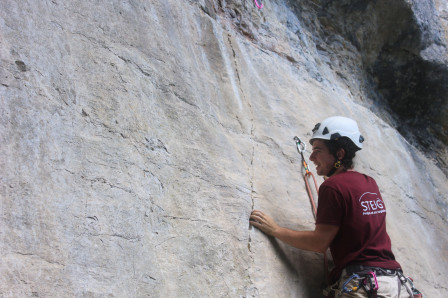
(263, 222)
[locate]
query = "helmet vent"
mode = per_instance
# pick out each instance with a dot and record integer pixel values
(325, 131)
(316, 127)
(335, 136)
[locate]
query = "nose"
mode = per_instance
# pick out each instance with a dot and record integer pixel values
(312, 156)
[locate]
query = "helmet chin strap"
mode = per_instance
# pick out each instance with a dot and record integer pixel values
(336, 166)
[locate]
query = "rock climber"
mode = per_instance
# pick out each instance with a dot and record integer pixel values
(351, 219)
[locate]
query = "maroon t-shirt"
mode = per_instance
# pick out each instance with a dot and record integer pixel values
(353, 202)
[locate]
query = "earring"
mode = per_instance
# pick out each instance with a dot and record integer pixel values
(337, 164)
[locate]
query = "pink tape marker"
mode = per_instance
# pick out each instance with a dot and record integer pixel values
(259, 6)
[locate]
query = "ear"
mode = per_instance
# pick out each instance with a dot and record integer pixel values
(340, 153)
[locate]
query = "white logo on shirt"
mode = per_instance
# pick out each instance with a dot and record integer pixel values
(371, 204)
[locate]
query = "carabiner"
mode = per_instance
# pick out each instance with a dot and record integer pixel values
(373, 286)
(301, 146)
(344, 286)
(260, 6)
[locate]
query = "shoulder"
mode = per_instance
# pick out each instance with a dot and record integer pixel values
(348, 176)
(348, 180)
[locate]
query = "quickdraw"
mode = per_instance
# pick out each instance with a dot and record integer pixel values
(370, 284)
(301, 147)
(260, 6)
(415, 292)
(409, 284)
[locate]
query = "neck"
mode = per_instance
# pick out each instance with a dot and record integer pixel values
(335, 171)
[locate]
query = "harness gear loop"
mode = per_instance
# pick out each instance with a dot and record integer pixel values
(353, 289)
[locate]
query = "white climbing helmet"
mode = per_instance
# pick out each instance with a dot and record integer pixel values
(335, 127)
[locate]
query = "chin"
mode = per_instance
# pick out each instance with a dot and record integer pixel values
(321, 172)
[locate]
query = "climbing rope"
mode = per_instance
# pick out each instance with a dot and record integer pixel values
(301, 147)
(260, 6)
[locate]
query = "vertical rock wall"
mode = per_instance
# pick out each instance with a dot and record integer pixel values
(404, 60)
(137, 137)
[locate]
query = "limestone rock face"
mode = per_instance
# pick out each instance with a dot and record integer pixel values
(405, 58)
(138, 136)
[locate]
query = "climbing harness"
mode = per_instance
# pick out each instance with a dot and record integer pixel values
(365, 277)
(366, 280)
(301, 147)
(260, 6)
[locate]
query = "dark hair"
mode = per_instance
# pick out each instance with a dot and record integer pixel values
(349, 148)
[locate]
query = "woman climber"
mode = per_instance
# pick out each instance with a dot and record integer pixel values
(351, 219)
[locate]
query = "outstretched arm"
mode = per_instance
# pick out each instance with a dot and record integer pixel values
(318, 240)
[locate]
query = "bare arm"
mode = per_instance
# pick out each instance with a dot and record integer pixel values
(318, 240)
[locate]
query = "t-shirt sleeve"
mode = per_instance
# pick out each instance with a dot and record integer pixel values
(330, 207)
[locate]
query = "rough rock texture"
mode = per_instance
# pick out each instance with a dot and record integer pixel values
(137, 137)
(404, 58)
